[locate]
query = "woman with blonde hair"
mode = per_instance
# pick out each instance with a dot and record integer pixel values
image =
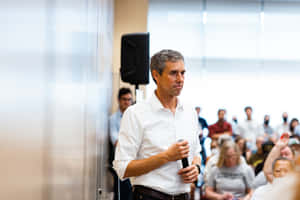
(230, 179)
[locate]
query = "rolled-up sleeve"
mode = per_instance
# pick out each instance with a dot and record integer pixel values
(129, 141)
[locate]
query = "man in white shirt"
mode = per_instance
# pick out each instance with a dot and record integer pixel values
(249, 129)
(284, 127)
(156, 134)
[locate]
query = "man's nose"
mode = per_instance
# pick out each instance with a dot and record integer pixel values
(180, 77)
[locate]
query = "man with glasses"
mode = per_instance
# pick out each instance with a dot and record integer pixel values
(121, 188)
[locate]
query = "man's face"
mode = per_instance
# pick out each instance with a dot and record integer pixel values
(259, 142)
(198, 110)
(267, 118)
(285, 115)
(287, 153)
(171, 81)
(221, 115)
(248, 112)
(281, 168)
(125, 101)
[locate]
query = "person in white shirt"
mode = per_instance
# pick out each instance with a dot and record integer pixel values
(249, 129)
(284, 127)
(156, 134)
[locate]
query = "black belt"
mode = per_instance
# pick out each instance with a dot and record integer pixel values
(149, 192)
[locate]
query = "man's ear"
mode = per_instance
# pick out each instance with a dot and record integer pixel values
(155, 74)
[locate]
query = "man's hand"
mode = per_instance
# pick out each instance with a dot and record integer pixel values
(178, 151)
(283, 141)
(189, 174)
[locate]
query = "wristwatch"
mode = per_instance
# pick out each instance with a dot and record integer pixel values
(199, 168)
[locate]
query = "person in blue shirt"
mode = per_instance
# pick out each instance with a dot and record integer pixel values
(201, 120)
(121, 188)
(202, 137)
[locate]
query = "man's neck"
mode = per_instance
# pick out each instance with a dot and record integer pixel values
(221, 121)
(259, 151)
(122, 111)
(169, 102)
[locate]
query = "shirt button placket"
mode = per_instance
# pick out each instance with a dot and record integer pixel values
(174, 130)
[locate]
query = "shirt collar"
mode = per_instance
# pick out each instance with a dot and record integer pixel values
(157, 105)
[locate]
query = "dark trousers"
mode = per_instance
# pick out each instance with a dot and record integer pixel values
(145, 193)
(122, 189)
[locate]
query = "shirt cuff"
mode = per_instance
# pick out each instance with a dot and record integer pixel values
(120, 167)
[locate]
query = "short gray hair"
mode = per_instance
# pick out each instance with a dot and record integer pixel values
(158, 60)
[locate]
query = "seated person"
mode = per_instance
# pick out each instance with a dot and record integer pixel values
(242, 144)
(230, 178)
(220, 127)
(281, 149)
(258, 156)
(214, 158)
(287, 188)
(213, 149)
(266, 149)
(281, 166)
(260, 178)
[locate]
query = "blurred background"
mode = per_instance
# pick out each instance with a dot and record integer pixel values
(59, 78)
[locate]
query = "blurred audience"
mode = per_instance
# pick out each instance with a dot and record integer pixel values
(257, 159)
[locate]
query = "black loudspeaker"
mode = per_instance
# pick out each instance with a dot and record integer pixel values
(135, 58)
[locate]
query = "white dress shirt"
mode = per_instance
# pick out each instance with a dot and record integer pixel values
(147, 128)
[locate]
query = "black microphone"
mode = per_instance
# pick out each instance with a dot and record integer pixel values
(184, 161)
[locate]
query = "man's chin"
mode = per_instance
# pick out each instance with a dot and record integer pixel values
(177, 93)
